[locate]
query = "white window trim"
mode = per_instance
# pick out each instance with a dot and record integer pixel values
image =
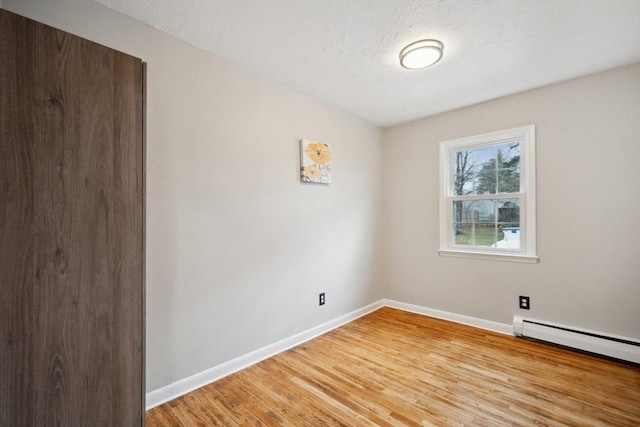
(527, 253)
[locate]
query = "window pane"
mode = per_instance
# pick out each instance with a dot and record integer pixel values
(509, 236)
(477, 211)
(484, 160)
(508, 172)
(462, 173)
(485, 235)
(468, 187)
(484, 210)
(509, 210)
(463, 234)
(509, 219)
(462, 212)
(509, 155)
(474, 223)
(486, 178)
(508, 180)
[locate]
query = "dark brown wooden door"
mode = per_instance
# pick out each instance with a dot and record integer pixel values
(71, 230)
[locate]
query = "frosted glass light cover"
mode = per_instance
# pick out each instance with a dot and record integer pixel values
(421, 54)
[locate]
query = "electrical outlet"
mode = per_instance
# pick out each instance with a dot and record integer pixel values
(321, 299)
(524, 303)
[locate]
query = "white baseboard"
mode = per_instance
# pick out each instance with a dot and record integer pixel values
(184, 386)
(489, 325)
(181, 387)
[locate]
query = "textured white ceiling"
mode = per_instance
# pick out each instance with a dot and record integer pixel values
(345, 52)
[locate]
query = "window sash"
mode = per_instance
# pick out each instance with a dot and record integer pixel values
(454, 148)
(521, 218)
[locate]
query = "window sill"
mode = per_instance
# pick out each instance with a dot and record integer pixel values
(510, 257)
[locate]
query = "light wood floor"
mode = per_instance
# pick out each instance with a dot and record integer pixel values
(396, 368)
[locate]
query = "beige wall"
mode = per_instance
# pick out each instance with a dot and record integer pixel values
(588, 207)
(237, 248)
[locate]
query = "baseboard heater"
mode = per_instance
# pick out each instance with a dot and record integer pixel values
(568, 336)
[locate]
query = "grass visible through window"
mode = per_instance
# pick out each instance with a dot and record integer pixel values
(484, 235)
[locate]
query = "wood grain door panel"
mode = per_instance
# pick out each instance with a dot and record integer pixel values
(71, 222)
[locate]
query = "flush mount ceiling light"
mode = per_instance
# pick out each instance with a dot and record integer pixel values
(421, 54)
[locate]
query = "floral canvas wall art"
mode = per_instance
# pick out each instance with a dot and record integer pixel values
(315, 162)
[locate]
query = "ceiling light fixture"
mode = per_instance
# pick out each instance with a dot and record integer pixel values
(421, 54)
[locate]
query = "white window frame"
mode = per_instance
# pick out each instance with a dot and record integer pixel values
(527, 195)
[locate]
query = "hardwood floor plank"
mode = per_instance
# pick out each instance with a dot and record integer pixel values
(361, 399)
(393, 368)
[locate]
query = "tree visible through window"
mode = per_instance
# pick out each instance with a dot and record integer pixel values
(485, 191)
